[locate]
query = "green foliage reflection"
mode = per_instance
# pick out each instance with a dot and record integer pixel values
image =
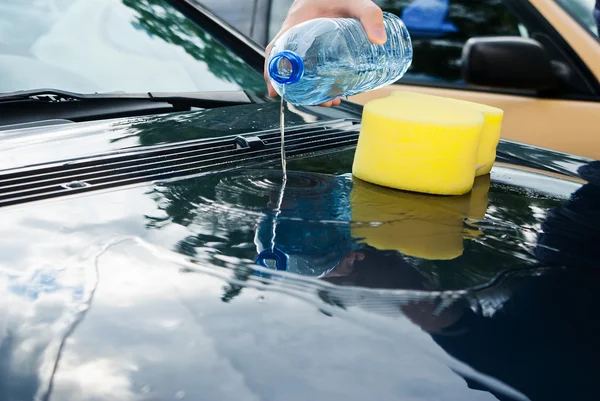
(159, 18)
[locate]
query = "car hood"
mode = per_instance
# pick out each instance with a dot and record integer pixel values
(150, 290)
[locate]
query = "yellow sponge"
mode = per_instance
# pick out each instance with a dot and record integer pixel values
(415, 144)
(490, 135)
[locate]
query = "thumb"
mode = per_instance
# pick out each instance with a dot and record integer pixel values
(371, 17)
(271, 91)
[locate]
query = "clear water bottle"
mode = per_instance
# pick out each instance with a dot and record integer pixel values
(327, 58)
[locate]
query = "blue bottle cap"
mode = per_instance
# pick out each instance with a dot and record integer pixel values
(287, 74)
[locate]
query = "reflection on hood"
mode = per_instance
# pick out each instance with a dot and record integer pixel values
(571, 233)
(318, 221)
(312, 231)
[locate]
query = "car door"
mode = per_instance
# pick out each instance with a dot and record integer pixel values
(565, 119)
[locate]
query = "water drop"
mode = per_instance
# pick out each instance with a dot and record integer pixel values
(260, 298)
(180, 395)
(145, 389)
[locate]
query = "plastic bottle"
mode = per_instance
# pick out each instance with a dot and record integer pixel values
(327, 58)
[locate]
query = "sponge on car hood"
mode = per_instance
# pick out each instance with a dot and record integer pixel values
(490, 135)
(417, 144)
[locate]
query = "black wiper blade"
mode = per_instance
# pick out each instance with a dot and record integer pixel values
(57, 95)
(54, 104)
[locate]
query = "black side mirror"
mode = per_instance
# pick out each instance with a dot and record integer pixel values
(507, 63)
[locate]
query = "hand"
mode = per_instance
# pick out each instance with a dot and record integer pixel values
(369, 14)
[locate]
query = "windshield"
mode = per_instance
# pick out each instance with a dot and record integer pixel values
(585, 12)
(92, 46)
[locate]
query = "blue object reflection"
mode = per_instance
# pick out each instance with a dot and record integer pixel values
(428, 18)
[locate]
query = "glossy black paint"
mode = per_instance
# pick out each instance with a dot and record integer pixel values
(150, 291)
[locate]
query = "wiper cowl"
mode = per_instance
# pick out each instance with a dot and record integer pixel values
(51, 104)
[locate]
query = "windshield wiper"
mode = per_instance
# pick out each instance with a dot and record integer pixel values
(52, 104)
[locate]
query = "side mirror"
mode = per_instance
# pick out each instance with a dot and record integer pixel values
(507, 63)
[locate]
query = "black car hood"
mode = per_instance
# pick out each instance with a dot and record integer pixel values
(151, 291)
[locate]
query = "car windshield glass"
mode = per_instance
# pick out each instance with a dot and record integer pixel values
(89, 46)
(585, 12)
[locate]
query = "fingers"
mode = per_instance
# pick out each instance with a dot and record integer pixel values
(369, 14)
(270, 89)
(334, 102)
(371, 17)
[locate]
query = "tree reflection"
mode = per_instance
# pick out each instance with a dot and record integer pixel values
(204, 124)
(505, 239)
(159, 18)
(214, 232)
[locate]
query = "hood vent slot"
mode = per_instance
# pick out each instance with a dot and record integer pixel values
(146, 164)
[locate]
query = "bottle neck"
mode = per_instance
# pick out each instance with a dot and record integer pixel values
(286, 67)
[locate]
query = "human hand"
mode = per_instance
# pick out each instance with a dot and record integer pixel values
(369, 14)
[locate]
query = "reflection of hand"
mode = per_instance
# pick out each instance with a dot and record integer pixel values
(569, 233)
(346, 266)
(366, 11)
(423, 314)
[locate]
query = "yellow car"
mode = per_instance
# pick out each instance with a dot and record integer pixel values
(539, 60)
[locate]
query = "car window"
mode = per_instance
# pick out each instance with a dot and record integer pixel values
(247, 16)
(438, 28)
(585, 12)
(278, 12)
(114, 45)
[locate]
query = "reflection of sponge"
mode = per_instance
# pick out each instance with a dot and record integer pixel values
(490, 135)
(479, 197)
(478, 204)
(419, 225)
(415, 144)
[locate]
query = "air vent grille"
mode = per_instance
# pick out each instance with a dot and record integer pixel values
(162, 162)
